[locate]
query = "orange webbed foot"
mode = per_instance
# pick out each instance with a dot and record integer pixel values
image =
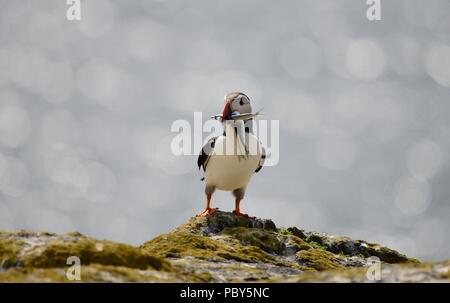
(239, 214)
(208, 211)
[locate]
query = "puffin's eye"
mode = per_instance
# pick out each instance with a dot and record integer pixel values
(241, 103)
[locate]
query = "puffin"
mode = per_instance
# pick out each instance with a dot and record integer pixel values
(230, 160)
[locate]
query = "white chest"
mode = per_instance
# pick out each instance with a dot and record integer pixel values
(228, 171)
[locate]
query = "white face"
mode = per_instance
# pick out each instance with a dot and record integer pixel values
(241, 104)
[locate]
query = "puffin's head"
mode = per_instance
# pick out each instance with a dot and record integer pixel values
(236, 102)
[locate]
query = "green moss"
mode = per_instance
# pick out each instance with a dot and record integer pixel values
(55, 254)
(319, 259)
(96, 273)
(317, 245)
(297, 232)
(333, 275)
(27, 249)
(391, 256)
(203, 277)
(9, 250)
(186, 244)
(298, 243)
(210, 249)
(265, 240)
(27, 275)
(284, 231)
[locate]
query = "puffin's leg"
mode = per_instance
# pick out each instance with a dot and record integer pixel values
(239, 195)
(209, 190)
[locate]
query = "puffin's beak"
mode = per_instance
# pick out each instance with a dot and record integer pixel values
(226, 114)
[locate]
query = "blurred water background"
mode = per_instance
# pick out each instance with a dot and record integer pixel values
(364, 108)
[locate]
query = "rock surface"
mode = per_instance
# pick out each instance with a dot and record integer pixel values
(218, 248)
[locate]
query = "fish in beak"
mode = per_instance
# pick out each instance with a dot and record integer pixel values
(241, 137)
(228, 114)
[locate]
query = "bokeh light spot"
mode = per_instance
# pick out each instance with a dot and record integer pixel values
(365, 59)
(437, 63)
(424, 159)
(412, 196)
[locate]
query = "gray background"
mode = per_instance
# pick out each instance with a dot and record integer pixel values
(86, 109)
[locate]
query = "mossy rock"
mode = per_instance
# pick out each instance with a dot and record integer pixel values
(297, 243)
(319, 259)
(275, 243)
(45, 250)
(390, 256)
(220, 220)
(346, 246)
(55, 254)
(185, 244)
(390, 273)
(266, 240)
(219, 248)
(9, 251)
(96, 273)
(296, 232)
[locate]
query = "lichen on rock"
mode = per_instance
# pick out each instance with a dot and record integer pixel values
(31, 249)
(218, 248)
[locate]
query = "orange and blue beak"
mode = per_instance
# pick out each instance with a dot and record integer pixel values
(226, 114)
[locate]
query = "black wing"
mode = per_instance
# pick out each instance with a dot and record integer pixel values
(206, 151)
(263, 158)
